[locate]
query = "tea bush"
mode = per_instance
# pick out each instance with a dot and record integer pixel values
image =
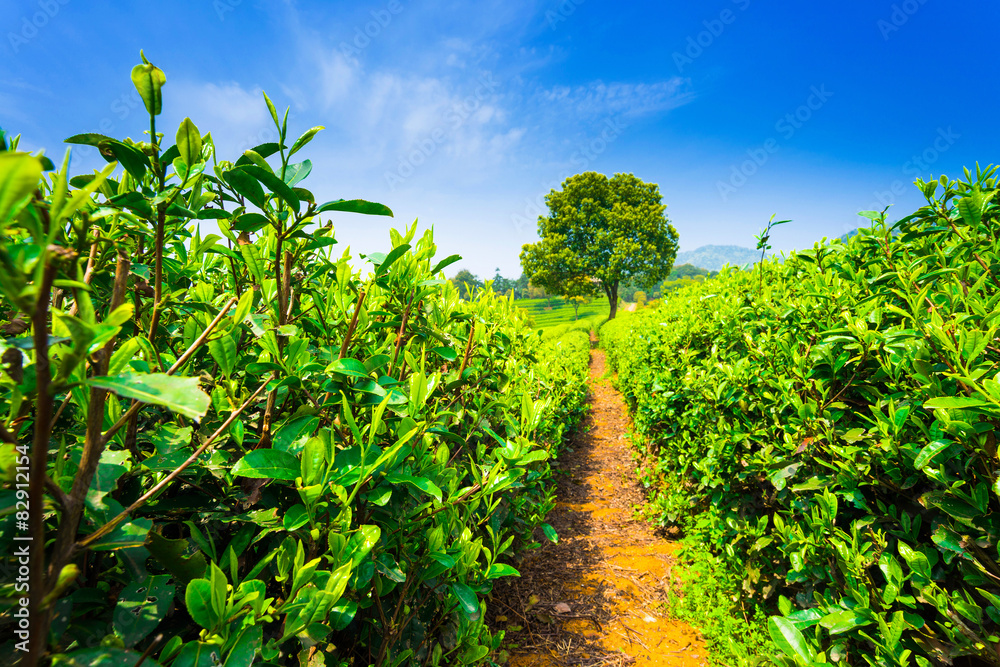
(584, 325)
(243, 447)
(826, 424)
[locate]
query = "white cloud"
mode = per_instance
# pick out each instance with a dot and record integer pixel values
(601, 99)
(237, 117)
(336, 77)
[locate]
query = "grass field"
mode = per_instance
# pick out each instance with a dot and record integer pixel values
(561, 311)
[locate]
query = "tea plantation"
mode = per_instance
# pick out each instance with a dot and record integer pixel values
(825, 428)
(244, 447)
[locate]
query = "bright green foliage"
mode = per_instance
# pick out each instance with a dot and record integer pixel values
(827, 425)
(243, 449)
(585, 325)
(601, 233)
(561, 311)
(708, 595)
(467, 283)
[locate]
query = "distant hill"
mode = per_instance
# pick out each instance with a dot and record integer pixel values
(714, 257)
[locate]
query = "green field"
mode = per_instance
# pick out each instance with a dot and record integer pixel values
(561, 311)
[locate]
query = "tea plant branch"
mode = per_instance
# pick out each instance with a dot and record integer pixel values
(39, 458)
(146, 497)
(278, 275)
(88, 273)
(161, 217)
(56, 492)
(149, 649)
(286, 289)
(134, 408)
(986, 268)
(352, 326)
(93, 446)
(62, 406)
(393, 629)
(468, 350)
(202, 338)
(401, 333)
(290, 304)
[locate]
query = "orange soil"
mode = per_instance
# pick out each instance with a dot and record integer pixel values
(596, 597)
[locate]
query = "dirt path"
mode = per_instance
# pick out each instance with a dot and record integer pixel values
(596, 597)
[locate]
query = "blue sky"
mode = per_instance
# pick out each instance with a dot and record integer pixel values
(465, 114)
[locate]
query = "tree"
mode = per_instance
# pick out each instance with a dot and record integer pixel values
(522, 285)
(601, 233)
(467, 283)
(578, 291)
(576, 302)
(503, 285)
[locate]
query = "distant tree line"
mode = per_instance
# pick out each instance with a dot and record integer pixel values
(680, 276)
(468, 282)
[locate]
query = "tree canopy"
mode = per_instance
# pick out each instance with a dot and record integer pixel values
(467, 283)
(600, 233)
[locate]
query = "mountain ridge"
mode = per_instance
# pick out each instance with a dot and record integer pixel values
(714, 257)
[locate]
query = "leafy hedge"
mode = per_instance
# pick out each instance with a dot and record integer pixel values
(243, 447)
(585, 326)
(827, 424)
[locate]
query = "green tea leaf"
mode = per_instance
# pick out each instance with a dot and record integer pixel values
(355, 206)
(197, 654)
(296, 173)
(500, 570)
(141, 607)
(955, 403)
(267, 464)
(243, 308)
(179, 394)
(446, 353)
(189, 142)
(127, 535)
(467, 600)
(274, 184)
(840, 622)
(103, 657)
(19, 177)
(788, 638)
(149, 80)
(88, 139)
(246, 647)
(349, 367)
(390, 259)
(419, 483)
(131, 158)
(255, 265)
(929, 451)
(447, 261)
(223, 351)
(170, 554)
(304, 139)
(245, 184)
(295, 517)
(198, 598)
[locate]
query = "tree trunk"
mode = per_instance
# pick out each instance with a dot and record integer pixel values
(612, 291)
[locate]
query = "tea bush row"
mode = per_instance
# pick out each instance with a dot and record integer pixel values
(244, 447)
(827, 425)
